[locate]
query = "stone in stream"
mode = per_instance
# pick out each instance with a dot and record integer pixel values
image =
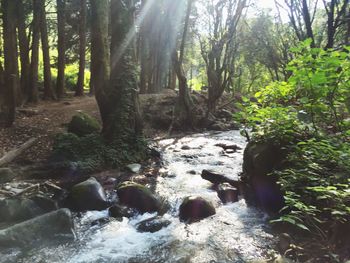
(45, 227)
(12, 210)
(153, 224)
(134, 167)
(194, 209)
(137, 196)
(118, 211)
(6, 175)
(217, 178)
(227, 193)
(88, 195)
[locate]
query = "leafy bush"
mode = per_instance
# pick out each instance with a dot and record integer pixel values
(309, 114)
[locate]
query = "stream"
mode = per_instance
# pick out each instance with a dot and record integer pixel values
(236, 233)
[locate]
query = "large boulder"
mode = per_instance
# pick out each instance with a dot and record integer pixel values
(138, 196)
(88, 195)
(83, 124)
(195, 209)
(259, 160)
(45, 227)
(153, 224)
(14, 210)
(6, 175)
(227, 193)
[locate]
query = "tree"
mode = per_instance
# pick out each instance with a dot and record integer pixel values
(24, 49)
(336, 17)
(48, 91)
(82, 48)
(185, 103)
(61, 46)
(123, 121)
(11, 61)
(100, 54)
(33, 94)
(219, 48)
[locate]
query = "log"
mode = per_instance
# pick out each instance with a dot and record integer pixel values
(13, 154)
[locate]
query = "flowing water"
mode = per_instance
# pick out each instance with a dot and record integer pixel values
(236, 233)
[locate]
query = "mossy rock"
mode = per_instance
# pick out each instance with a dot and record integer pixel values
(194, 209)
(83, 124)
(137, 196)
(88, 195)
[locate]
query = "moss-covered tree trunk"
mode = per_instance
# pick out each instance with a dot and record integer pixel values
(122, 118)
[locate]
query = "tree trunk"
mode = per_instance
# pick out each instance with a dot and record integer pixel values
(143, 50)
(308, 22)
(61, 46)
(100, 54)
(48, 92)
(123, 121)
(24, 51)
(11, 60)
(82, 38)
(185, 103)
(33, 93)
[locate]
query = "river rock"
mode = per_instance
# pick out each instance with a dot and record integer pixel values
(137, 196)
(118, 211)
(6, 175)
(134, 167)
(153, 224)
(88, 195)
(227, 193)
(83, 124)
(45, 203)
(45, 227)
(216, 178)
(12, 210)
(259, 160)
(195, 209)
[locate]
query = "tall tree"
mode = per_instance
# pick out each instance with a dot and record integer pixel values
(33, 93)
(61, 46)
(185, 104)
(48, 91)
(82, 48)
(123, 121)
(23, 48)
(100, 54)
(336, 17)
(11, 60)
(219, 48)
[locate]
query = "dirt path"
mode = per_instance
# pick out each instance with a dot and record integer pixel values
(43, 121)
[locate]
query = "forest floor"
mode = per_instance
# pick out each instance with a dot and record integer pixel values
(43, 121)
(46, 119)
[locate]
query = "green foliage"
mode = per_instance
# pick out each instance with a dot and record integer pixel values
(309, 115)
(316, 184)
(90, 153)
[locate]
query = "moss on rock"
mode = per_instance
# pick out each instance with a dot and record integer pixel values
(83, 124)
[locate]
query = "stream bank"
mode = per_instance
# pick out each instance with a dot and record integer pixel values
(235, 233)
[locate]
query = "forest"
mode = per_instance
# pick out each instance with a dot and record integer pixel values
(185, 131)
